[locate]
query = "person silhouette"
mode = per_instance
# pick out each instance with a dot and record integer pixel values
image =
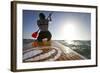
(43, 24)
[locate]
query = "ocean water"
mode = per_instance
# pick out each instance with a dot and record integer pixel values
(82, 47)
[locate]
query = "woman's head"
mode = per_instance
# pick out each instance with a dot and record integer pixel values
(42, 16)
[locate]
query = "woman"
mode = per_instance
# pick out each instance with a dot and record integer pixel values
(43, 24)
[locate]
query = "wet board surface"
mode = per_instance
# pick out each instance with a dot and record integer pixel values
(55, 52)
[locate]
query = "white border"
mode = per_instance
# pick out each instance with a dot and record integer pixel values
(21, 65)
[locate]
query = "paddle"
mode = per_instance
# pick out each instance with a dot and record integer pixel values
(35, 34)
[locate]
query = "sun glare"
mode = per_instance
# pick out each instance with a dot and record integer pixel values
(69, 41)
(69, 31)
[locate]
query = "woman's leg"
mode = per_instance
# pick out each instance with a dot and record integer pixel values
(40, 37)
(48, 35)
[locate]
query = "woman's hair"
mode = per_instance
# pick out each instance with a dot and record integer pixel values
(42, 16)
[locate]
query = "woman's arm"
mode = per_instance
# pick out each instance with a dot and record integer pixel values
(49, 17)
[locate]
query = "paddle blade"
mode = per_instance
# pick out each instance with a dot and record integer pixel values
(35, 34)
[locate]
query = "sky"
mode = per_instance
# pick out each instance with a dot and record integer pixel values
(64, 25)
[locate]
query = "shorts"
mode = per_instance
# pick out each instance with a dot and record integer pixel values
(44, 34)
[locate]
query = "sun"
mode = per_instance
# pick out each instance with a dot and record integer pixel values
(69, 31)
